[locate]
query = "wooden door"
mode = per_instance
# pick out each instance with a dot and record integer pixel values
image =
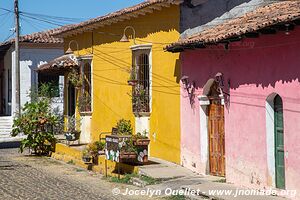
(279, 143)
(216, 138)
(71, 100)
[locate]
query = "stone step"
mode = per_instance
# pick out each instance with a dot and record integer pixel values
(6, 117)
(11, 139)
(2, 129)
(6, 121)
(6, 125)
(4, 134)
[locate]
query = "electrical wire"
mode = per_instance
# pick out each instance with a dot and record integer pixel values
(9, 36)
(46, 21)
(66, 19)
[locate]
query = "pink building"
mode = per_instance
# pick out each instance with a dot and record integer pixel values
(240, 99)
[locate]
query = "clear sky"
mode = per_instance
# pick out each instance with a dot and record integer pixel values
(64, 12)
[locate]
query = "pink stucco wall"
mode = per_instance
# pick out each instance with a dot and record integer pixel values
(256, 68)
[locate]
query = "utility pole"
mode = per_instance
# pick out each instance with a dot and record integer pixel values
(17, 59)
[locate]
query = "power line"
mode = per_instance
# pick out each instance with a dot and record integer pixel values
(5, 13)
(69, 19)
(7, 10)
(9, 36)
(46, 21)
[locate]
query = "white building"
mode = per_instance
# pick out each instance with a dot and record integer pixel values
(35, 49)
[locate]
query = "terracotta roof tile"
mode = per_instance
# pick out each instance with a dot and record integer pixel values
(260, 18)
(114, 15)
(59, 65)
(38, 37)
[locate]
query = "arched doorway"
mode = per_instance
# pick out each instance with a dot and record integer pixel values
(216, 132)
(275, 140)
(279, 143)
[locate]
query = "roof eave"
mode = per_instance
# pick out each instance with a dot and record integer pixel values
(108, 20)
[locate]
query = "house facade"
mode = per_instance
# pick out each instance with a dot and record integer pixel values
(106, 64)
(240, 98)
(35, 49)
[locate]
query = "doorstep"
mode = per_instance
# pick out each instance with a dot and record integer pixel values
(206, 187)
(161, 169)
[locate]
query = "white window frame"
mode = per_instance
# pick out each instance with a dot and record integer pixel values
(137, 50)
(88, 59)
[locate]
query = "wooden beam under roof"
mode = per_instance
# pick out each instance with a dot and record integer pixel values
(252, 35)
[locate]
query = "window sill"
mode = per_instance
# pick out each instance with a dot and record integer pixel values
(88, 113)
(141, 114)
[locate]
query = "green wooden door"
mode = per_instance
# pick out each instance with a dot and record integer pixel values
(279, 143)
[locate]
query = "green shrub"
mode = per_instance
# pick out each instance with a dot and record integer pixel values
(124, 127)
(38, 123)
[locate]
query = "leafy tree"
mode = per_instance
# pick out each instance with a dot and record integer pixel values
(38, 122)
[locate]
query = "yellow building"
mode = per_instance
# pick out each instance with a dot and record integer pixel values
(108, 63)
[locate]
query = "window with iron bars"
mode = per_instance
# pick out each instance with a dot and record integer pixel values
(141, 91)
(85, 100)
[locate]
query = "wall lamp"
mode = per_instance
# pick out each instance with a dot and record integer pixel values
(125, 38)
(70, 51)
(189, 87)
(219, 78)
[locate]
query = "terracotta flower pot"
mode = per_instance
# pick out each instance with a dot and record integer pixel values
(72, 136)
(128, 155)
(141, 142)
(86, 159)
(132, 82)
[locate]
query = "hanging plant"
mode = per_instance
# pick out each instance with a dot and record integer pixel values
(140, 100)
(84, 102)
(72, 133)
(132, 78)
(75, 78)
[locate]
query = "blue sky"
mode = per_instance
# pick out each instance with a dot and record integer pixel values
(77, 10)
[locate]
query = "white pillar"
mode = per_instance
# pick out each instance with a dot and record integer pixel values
(204, 155)
(13, 85)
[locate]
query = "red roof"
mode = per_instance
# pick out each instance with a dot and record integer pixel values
(38, 37)
(121, 15)
(59, 65)
(258, 19)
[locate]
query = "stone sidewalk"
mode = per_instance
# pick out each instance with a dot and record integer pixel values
(26, 177)
(207, 187)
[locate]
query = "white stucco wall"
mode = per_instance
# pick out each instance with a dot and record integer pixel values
(7, 69)
(30, 59)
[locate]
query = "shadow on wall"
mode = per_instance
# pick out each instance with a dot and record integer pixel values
(263, 67)
(177, 70)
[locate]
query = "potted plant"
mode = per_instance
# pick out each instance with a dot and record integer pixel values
(132, 78)
(84, 102)
(141, 142)
(95, 149)
(72, 133)
(100, 147)
(140, 100)
(124, 127)
(75, 78)
(86, 155)
(128, 151)
(141, 139)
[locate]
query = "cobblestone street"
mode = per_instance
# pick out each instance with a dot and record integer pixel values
(28, 177)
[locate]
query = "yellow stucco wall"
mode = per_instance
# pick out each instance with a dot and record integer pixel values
(110, 71)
